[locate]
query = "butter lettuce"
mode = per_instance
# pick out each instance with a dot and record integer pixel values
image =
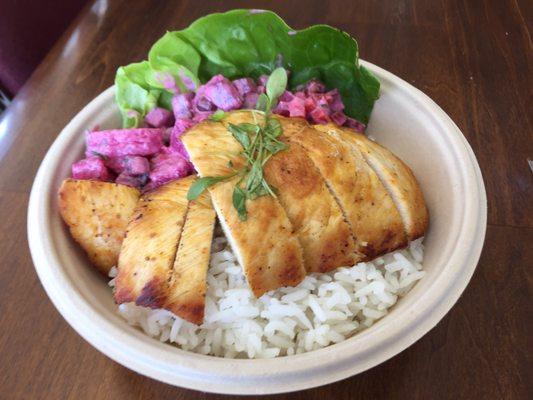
(242, 43)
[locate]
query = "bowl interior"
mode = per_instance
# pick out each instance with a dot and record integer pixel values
(402, 121)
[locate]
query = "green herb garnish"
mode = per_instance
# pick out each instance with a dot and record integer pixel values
(217, 116)
(201, 184)
(259, 142)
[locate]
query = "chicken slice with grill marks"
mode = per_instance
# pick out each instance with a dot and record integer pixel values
(399, 181)
(368, 207)
(150, 245)
(265, 244)
(188, 284)
(326, 238)
(97, 214)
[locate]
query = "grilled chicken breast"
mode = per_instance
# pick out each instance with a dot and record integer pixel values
(97, 214)
(399, 181)
(366, 203)
(188, 285)
(265, 243)
(326, 238)
(150, 245)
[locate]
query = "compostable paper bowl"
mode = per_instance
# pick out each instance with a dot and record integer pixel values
(404, 120)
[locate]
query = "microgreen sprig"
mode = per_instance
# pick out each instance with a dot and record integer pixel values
(259, 142)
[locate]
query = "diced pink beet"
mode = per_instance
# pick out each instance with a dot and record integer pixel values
(115, 164)
(296, 107)
(260, 89)
(321, 100)
(338, 117)
(286, 96)
(293, 108)
(221, 92)
(132, 165)
(130, 180)
(178, 147)
(159, 118)
(245, 86)
(282, 108)
(90, 168)
(182, 105)
(136, 165)
(250, 100)
(167, 166)
(201, 116)
(262, 81)
(319, 116)
(175, 137)
(201, 103)
(181, 126)
(176, 144)
(354, 124)
(314, 86)
(125, 142)
(335, 103)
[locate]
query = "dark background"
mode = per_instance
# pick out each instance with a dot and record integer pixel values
(474, 58)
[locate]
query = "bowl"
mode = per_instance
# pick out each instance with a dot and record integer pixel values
(404, 120)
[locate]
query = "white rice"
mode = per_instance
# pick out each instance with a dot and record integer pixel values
(322, 310)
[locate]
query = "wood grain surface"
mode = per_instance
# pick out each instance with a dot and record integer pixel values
(474, 58)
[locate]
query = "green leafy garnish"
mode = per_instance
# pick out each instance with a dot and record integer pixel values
(276, 84)
(240, 134)
(262, 102)
(239, 202)
(202, 184)
(241, 43)
(217, 116)
(259, 143)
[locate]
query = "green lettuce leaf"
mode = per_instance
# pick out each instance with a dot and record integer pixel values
(242, 43)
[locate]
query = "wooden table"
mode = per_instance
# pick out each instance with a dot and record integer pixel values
(473, 58)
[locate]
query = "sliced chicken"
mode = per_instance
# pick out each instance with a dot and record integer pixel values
(188, 285)
(327, 239)
(150, 245)
(366, 203)
(400, 182)
(97, 214)
(264, 243)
